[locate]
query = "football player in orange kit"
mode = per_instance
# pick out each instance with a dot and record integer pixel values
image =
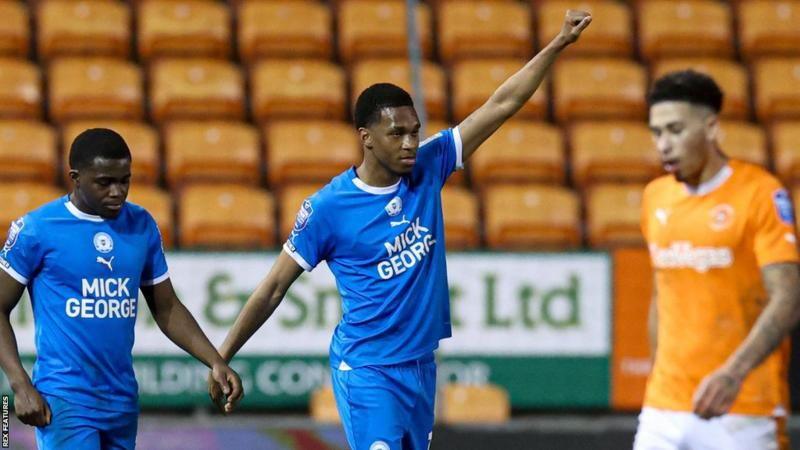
(722, 242)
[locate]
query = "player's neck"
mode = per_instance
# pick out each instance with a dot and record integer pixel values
(716, 162)
(81, 205)
(374, 174)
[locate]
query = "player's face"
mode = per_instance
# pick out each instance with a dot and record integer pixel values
(103, 186)
(684, 136)
(394, 139)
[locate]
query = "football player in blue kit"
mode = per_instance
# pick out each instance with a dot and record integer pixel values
(379, 227)
(84, 257)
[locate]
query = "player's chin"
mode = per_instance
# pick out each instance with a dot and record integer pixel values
(111, 212)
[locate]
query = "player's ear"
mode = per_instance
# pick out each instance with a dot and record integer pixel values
(74, 176)
(712, 127)
(365, 137)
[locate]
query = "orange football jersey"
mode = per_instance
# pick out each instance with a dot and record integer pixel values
(707, 249)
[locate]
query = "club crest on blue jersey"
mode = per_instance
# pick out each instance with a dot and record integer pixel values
(13, 233)
(103, 242)
(394, 207)
(379, 445)
(783, 205)
(303, 215)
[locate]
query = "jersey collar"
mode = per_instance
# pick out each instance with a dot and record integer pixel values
(712, 184)
(80, 214)
(373, 189)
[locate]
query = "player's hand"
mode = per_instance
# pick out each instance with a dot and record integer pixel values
(574, 24)
(224, 387)
(716, 394)
(31, 408)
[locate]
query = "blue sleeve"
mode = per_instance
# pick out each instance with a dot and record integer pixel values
(440, 154)
(309, 242)
(155, 265)
(22, 253)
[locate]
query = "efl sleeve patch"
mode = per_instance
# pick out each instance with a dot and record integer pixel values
(783, 206)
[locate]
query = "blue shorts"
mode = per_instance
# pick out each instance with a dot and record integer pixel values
(387, 407)
(78, 427)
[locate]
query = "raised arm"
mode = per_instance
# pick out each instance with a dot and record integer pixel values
(718, 391)
(516, 90)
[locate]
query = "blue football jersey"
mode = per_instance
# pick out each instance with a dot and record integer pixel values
(83, 274)
(385, 247)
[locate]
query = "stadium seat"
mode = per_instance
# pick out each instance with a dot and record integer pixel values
(730, 75)
(141, 138)
(14, 29)
(398, 71)
(291, 197)
(786, 150)
(211, 151)
(19, 198)
(685, 28)
(309, 151)
(613, 151)
(461, 220)
(520, 152)
(20, 89)
(611, 33)
(475, 81)
(286, 89)
(433, 126)
(196, 88)
(599, 88)
(183, 28)
(473, 404)
(27, 152)
(280, 29)
(226, 216)
(159, 204)
(484, 30)
(95, 87)
(323, 406)
(613, 213)
(777, 87)
(769, 28)
(744, 141)
(377, 28)
(523, 217)
(84, 27)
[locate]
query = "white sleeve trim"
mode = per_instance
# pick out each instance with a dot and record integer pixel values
(459, 149)
(155, 281)
(14, 274)
(297, 258)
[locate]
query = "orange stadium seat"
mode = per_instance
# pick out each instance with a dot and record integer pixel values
(432, 127)
(744, 141)
(730, 75)
(474, 404)
(461, 220)
(184, 28)
(14, 29)
(283, 89)
(226, 216)
(520, 152)
(27, 151)
(531, 217)
(377, 28)
(96, 87)
(322, 406)
(22, 197)
(613, 213)
(309, 151)
(786, 150)
(777, 88)
(291, 197)
(599, 88)
(280, 29)
(476, 80)
(484, 29)
(159, 204)
(215, 151)
(685, 28)
(398, 71)
(196, 88)
(141, 138)
(84, 27)
(769, 28)
(611, 33)
(20, 89)
(613, 151)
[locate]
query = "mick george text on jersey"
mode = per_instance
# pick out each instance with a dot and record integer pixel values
(406, 250)
(103, 298)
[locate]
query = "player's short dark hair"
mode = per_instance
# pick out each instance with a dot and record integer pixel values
(687, 86)
(376, 97)
(97, 143)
